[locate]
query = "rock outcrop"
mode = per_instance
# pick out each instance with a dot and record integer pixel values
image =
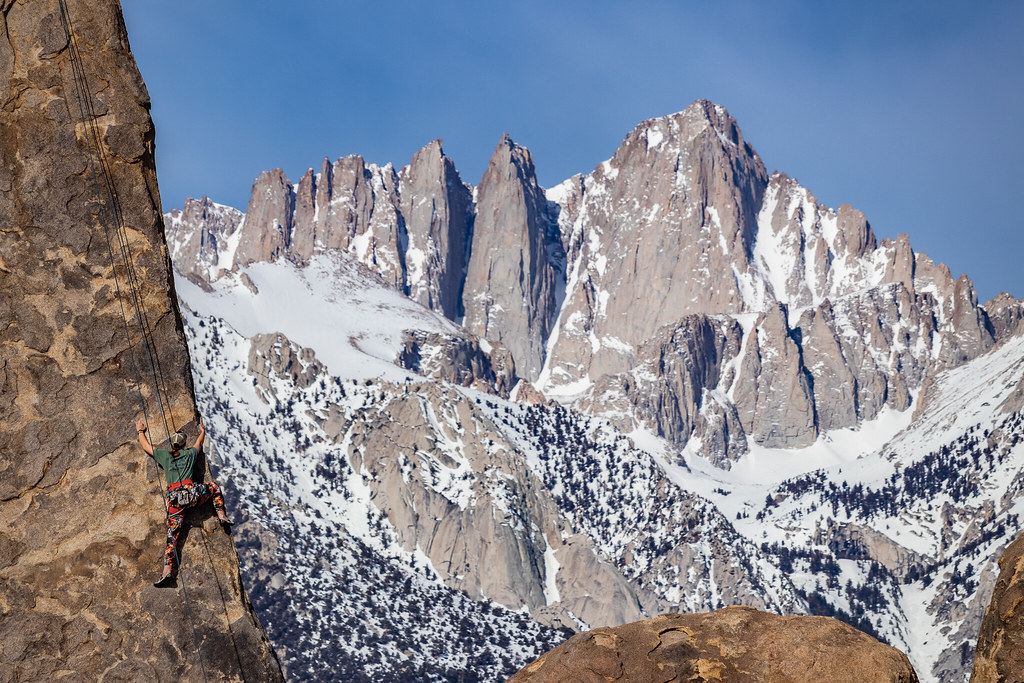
(733, 644)
(267, 231)
(199, 235)
(273, 355)
(1006, 315)
(412, 227)
(459, 359)
(773, 396)
(999, 653)
(83, 529)
(350, 206)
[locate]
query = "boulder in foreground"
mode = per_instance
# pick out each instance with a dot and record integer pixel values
(733, 644)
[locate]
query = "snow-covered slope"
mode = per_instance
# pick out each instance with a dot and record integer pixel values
(341, 598)
(345, 468)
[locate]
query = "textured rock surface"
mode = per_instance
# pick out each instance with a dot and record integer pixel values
(273, 355)
(350, 205)
(412, 227)
(999, 655)
(83, 526)
(675, 182)
(510, 291)
(267, 230)
(432, 459)
(1006, 315)
(773, 396)
(682, 220)
(673, 371)
(734, 644)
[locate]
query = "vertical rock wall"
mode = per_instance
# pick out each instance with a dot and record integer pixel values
(438, 216)
(510, 286)
(999, 654)
(81, 513)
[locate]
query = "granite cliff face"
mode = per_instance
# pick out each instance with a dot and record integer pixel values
(437, 208)
(412, 227)
(200, 234)
(999, 655)
(683, 220)
(83, 529)
(510, 289)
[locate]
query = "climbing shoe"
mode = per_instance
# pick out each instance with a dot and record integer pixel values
(165, 581)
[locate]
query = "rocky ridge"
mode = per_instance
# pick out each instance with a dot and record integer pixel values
(682, 221)
(856, 541)
(83, 530)
(441, 473)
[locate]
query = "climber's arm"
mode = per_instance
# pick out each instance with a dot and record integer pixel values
(140, 427)
(202, 435)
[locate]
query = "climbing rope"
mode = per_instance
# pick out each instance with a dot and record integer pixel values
(110, 213)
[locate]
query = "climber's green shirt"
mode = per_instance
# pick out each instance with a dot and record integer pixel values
(176, 469)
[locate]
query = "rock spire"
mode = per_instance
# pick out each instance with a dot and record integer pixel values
(510, 290)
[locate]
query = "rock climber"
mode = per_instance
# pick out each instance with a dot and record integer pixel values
(185, 490)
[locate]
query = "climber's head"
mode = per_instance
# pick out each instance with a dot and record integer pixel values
(177, 440)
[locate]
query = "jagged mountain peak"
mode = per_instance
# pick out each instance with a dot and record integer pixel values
(431, 154)
(511, 284)
(675, 133)
(429, 160)
(683, 220)
(510, 159)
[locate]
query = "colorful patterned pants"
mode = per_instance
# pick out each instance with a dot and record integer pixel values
(199, 494)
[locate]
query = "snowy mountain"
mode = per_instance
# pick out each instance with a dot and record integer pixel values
(730, 394)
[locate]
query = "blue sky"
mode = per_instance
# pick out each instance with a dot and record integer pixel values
(909, 111)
